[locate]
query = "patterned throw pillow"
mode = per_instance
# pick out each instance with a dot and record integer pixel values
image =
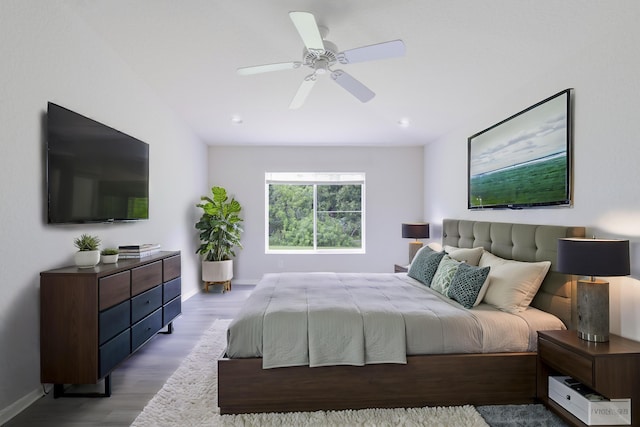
(467, 284)
(424, 265)
(446, 270)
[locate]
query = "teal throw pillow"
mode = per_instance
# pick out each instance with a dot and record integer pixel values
(467, 284)
(444, 275)
(424, 265)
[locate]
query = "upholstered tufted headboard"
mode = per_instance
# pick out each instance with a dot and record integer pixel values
(523, 242)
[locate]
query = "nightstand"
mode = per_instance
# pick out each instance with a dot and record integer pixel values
(397, 268)
(610, 368)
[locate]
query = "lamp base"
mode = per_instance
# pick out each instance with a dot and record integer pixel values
(414, 247)
(593, 310)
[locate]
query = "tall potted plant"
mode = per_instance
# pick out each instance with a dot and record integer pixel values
(220, 231)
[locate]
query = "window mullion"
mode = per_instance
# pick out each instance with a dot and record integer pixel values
(315, 217)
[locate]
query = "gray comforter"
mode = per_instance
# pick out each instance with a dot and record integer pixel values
(319, 319)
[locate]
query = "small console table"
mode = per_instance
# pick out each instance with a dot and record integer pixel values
(92, 319)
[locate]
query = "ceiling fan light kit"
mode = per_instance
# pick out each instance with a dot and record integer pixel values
(320, 55)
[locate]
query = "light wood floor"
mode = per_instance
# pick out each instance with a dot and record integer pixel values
(140, 377)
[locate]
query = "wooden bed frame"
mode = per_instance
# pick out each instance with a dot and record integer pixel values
(428, 380)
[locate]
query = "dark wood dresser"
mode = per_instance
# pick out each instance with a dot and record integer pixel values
(92, 319)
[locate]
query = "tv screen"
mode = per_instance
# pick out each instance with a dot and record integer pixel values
(94, 173)
(525, 160)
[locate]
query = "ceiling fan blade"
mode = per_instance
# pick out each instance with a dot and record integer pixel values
(303, 92)
(245, 71)
(353, 86)
(308, 29)
(391, 49)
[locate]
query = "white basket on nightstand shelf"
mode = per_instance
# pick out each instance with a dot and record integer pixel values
(588, 406)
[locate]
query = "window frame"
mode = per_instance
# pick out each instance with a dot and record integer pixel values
(315, 179)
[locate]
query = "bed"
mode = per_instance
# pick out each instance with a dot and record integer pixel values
(331, 376)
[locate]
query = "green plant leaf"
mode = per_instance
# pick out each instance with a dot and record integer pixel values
(87, 242)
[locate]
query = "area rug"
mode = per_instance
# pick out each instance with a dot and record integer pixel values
(189, 398)
(520, 416)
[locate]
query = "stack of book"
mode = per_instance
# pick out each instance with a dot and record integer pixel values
(138, 251)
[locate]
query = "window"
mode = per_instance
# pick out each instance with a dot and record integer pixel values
(314, 212)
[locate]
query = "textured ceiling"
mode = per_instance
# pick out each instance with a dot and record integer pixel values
(462, 55)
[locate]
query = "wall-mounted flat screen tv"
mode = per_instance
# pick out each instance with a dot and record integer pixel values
(525, 160)
(94, 172)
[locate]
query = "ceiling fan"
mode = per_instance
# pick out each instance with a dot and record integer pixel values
(321, 55)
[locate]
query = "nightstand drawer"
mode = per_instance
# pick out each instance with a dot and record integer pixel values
(566, 361)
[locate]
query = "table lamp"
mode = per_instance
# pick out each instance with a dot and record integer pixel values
(416, 230)
(593, 257)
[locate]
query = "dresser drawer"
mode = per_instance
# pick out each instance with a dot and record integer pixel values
(145, 329)
(114, 320)
(145, 303)
(114, 289)
(171, 290)
(114, 352)
(566, 361)
(171, 268)
(146, 277)
(171, 310)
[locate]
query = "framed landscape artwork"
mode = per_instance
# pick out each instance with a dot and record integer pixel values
(525, 160)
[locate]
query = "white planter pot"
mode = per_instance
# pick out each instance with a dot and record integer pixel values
(87, 259)
(217, 271)
(109, 259)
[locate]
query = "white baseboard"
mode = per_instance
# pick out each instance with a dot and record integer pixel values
(19, 405)
(189, 295)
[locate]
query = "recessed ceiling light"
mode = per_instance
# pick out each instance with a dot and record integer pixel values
(403, 122)
(236, 120)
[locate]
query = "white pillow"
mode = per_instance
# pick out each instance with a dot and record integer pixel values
(469, 255)
(483, 290)
(513, 284)
(435, 246)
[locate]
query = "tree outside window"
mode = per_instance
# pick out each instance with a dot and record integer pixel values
(315, 212)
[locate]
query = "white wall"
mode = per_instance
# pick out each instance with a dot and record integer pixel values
(394, 194)
(49, 55)
(606, 153)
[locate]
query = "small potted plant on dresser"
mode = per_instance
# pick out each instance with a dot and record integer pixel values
(88, 254)
(109, 255)
(220, 230)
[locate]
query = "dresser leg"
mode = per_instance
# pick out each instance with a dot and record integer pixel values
(107, 386)
(169, 329)
(58, 390)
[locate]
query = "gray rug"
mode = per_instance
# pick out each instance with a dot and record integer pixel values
(519, 415)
